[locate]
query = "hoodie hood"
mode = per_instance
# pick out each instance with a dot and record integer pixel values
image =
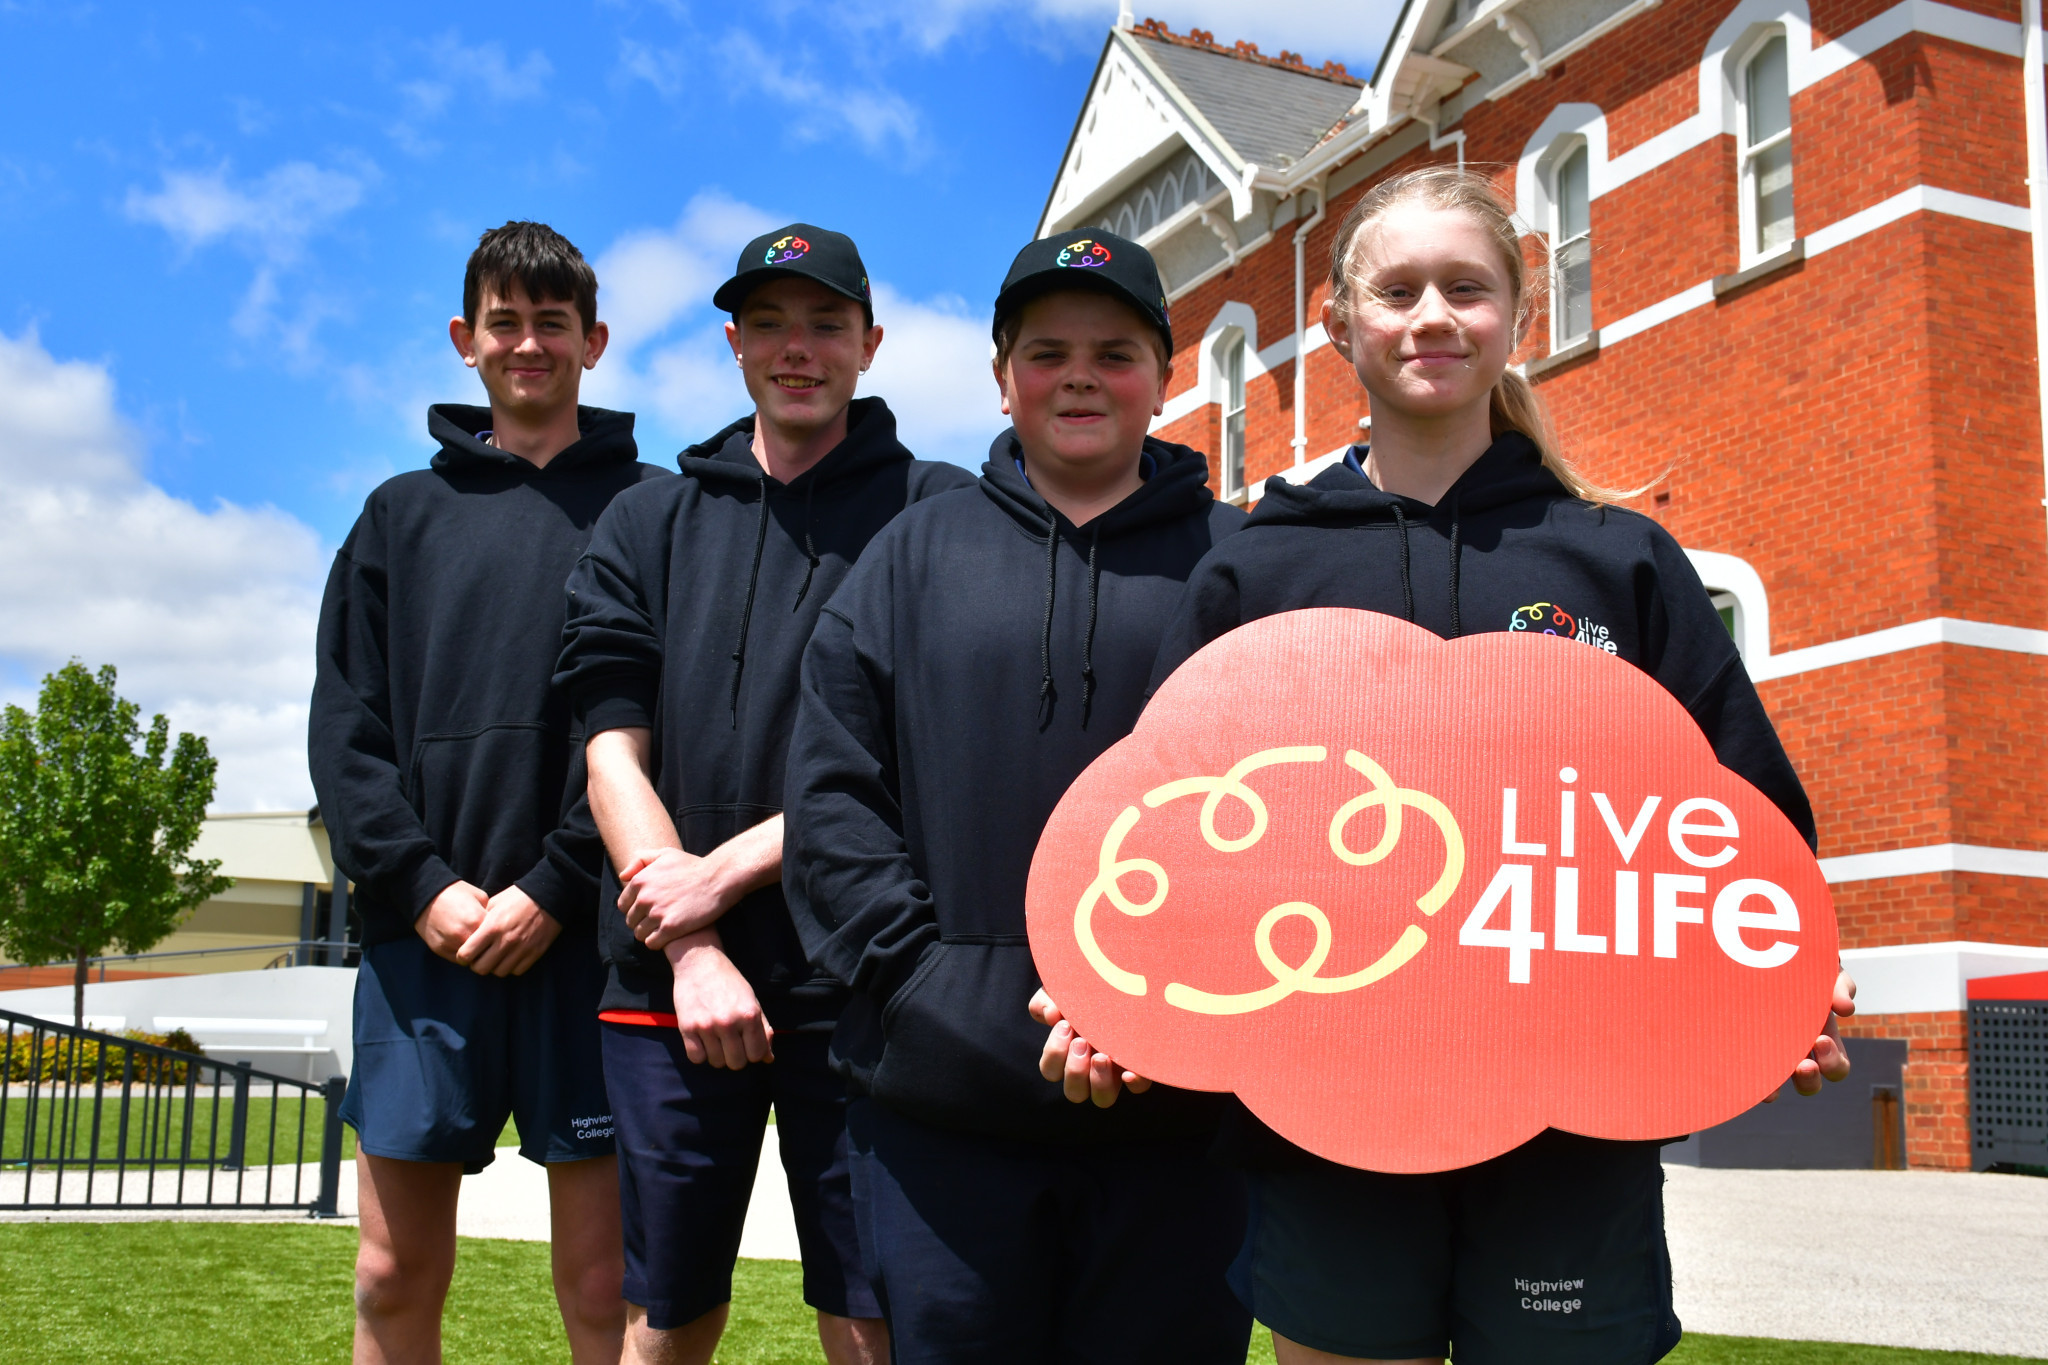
(727, 461)
(870, 444)
(1509, 472)
(607, 438)
(1176, 486)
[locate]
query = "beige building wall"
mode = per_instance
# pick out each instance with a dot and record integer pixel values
(277, 859)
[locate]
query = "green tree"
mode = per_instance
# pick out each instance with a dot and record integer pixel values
(96, 828)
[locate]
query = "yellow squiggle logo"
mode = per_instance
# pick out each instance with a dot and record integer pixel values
(1386, 795)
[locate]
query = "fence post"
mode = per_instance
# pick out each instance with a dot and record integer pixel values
(328, 1205)
(238, 1122)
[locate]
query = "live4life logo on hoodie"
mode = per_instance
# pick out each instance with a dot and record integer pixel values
(1415, 899)
(1548, 618)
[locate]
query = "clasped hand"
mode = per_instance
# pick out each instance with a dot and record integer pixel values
(501, 935)
(666, 893)
(1084, 1073)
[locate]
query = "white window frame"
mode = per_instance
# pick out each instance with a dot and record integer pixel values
(1732, 582)
(1230, 345)
(1563, 151)
(1746, 153)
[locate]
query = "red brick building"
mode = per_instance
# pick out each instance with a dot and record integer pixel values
(1794, 275)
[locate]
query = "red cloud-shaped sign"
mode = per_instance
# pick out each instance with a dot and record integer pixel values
(1416, 900)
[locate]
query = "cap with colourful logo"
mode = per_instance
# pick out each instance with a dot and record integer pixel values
(1087, 258)
(815, 253)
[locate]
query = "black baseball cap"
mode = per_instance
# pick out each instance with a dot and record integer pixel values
(1087, 258)
(815, 253)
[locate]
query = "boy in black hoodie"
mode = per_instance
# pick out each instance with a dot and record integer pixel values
(688, 617)
(452, 786)
(990, 644)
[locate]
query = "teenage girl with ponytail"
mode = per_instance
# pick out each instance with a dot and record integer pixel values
(1462, 517)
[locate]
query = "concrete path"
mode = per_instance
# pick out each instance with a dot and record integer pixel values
(1893, 1258)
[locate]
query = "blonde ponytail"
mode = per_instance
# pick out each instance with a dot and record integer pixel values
(1515, 405)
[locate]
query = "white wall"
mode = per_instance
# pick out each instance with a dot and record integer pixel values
(326, 994)
(1918, 978)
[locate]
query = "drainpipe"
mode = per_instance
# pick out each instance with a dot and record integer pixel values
(2037, 204)
(1301, 318)
(1437, 144)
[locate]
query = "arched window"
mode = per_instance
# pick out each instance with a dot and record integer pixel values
(1765, 149)
(1571, 250)
(1229, 353)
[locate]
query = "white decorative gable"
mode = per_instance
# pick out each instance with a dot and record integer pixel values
(1125, 129)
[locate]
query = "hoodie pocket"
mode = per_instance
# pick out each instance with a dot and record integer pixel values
(489, 796)
(959, 1045)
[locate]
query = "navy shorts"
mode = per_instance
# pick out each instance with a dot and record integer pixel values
(689, 1144)
(988, 1251)
(444, 1056)
(1553, 1252)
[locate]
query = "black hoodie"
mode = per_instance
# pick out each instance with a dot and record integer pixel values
(1507, 543)
(981, 655)
(440, 751)
(688, 616)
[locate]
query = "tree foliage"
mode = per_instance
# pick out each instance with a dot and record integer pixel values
(97, 823)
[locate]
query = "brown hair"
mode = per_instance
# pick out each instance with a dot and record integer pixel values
(1514, 405)
(539, 260)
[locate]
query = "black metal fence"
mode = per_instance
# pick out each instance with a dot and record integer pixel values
(93, 1121)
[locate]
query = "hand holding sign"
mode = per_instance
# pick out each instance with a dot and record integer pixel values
(1415, 900)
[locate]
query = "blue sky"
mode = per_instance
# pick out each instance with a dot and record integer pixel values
(235, 236)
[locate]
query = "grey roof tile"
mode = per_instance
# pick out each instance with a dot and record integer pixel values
(1264, 112)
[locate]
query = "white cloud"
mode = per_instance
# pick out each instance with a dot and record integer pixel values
(485, 69)
(669, 361)
(481, 70)
(208, 614)
(873, 115)
(933, 369)
(824, 107)
(271, 217)
(668, 356)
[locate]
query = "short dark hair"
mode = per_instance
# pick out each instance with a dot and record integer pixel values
(539, 260)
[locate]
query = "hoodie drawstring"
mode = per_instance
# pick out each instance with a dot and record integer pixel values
(1052, 565)
(810, 550)
(1457, 626)
(739, 650)
(1407, 582)
(1088, 640)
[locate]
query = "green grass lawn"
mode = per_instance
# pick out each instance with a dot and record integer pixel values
(66, 1125)
(222, 1294)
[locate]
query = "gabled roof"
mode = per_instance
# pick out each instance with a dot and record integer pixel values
(1270, 111)
(1236, 107)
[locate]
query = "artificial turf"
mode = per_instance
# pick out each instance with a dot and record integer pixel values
(226, 1293)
